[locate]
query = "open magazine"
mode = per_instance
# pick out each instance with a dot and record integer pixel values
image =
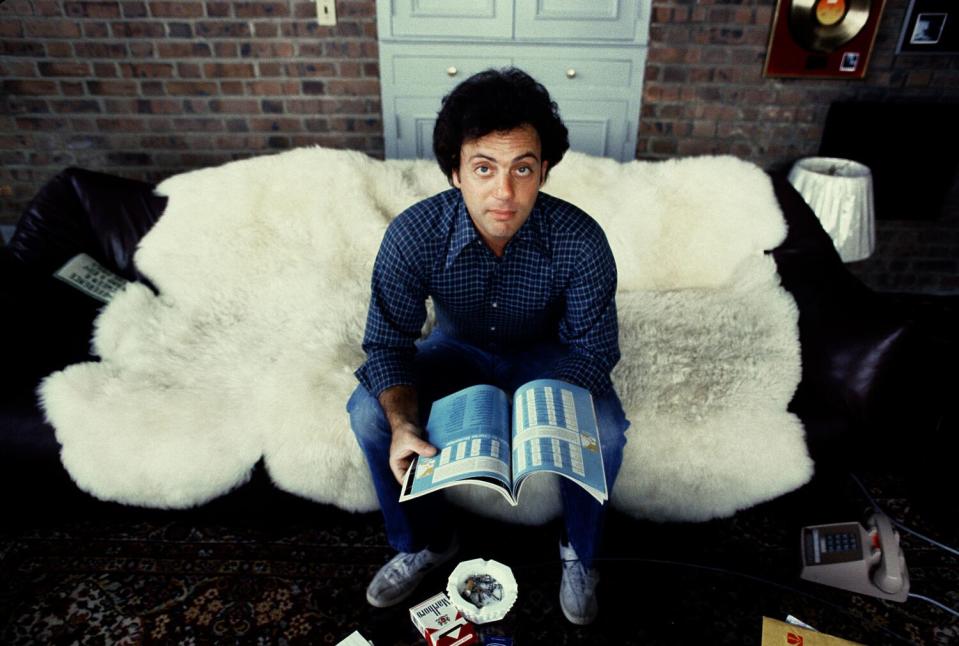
(553, 430)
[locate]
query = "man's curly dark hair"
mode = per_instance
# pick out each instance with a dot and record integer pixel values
(497, 101)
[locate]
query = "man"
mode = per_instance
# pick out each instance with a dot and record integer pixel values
(523, 287)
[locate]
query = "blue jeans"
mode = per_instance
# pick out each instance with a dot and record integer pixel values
(442, 366)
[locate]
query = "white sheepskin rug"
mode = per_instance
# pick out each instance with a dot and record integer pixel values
(263, 269)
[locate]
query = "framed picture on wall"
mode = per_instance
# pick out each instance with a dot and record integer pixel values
(822, 38)
(930, 27)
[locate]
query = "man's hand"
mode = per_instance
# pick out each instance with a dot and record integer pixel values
(399, 404)
(407, 442)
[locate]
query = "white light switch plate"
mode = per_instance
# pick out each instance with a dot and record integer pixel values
(326, 12)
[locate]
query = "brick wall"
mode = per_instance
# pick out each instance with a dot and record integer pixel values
(146, 89)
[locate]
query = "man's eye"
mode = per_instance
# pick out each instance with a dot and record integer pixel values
(482, 170)
(524, 170)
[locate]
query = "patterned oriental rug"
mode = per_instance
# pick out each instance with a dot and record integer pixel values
(162, 579)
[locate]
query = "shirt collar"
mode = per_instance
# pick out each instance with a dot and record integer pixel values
(534, 231)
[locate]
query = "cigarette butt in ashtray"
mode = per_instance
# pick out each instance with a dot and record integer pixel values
(483, 589)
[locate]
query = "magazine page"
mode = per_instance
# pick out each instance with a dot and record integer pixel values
(470, 430)
(555, 430)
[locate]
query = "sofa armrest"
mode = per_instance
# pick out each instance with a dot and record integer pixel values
(82, 211)
(867, 366)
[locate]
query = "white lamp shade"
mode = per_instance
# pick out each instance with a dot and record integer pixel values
(839, 191)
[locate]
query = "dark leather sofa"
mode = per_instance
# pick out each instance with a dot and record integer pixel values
(876, 389)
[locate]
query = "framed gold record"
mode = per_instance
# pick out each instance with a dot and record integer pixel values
(822, 38)
(824, 25)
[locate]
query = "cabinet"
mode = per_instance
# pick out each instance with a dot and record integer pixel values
(590, 55)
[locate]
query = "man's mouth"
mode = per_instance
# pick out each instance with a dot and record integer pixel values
(501, 214)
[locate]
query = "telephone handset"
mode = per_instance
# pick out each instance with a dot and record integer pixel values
(861, 559)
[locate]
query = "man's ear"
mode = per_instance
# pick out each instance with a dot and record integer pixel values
(456, 179)
(542, 179)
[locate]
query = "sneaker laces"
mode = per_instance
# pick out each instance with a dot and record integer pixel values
(405, 565)
(580, 578)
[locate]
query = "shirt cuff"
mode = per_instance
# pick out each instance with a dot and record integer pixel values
(383, 370)
(582, 371)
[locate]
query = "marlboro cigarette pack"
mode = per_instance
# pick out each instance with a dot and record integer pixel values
(442, 623)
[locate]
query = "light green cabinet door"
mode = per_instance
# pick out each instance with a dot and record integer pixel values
(594, 20)
(415, 118)
(451, 18)
(598, 128)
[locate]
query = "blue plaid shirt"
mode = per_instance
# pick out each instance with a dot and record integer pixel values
(555, 281)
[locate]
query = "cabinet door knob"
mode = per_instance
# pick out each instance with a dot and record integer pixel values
(570, 73)
(451, 70)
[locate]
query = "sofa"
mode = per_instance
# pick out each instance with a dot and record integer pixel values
(867, 387)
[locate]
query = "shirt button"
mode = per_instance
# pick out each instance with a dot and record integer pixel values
(495, 304)
(492, 328)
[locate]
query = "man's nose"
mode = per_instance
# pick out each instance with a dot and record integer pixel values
(504, 187)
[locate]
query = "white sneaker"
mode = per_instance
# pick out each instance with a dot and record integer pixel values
(577, 592)
(399, 577)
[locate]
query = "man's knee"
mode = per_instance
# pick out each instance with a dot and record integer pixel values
(612, 426)
(366, 416)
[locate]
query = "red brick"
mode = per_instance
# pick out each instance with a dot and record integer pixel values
(225, 50)
(133, 9)
(146, 70)
(228, 70)
(104, 70)
(32, 49)
(64, 69)
(308, 70)
(161, 142)
(141, 49)
(260, 9)
(92, 9)
(40, 123)
(72, 88)
(189, 70)
(11, 28)
(266, 70)
(51, 29)
(158, 106)
(176, 9)
(183, 50)
(76, 105)
(59, 49)
(240, 142)
(11, 68)
(222, 29)
(112, 88)
(196, 106)
(353, 87)
(99, 49)
(265, 29)
(241, 106)
(152, 88)
(32, 88)
(267, 50)
(271, 88)
(276, 125)
(95, 30)
(137, 29)
(121, 125)
(191, 88)
(198, 124)
(218, 9)
(231, 87)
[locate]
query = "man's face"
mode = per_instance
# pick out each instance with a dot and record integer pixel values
(500, 175)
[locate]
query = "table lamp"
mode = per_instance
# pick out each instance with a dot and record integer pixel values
(839, 191)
